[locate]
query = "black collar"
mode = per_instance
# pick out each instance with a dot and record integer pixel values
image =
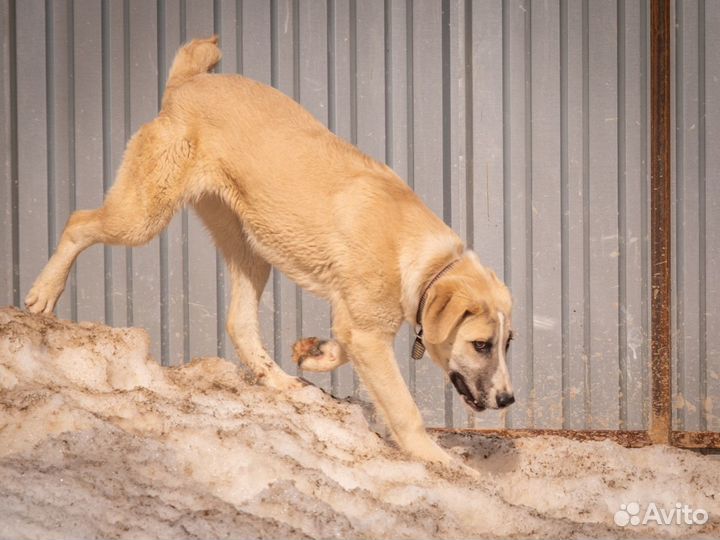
(419, 347)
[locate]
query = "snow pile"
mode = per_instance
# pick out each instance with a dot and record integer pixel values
(97, 440)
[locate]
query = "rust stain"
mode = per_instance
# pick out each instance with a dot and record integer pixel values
(696, 439)
(629, 439)
(660, 217)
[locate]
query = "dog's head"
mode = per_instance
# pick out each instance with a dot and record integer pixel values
(467, 328)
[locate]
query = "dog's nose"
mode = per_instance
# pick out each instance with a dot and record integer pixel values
(504, 399)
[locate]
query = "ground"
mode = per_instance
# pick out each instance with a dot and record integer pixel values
(98, 441)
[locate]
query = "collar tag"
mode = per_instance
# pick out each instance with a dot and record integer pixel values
(418, 348)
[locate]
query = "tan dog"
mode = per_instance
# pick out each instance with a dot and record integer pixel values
(275, 187)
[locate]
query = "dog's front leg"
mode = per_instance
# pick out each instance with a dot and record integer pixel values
(373, 358)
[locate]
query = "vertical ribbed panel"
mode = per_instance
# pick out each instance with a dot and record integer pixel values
(697, 212)
(709, 212)
(523, 124)
(9, 203)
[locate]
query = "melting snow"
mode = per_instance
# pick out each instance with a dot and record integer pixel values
(98, 440)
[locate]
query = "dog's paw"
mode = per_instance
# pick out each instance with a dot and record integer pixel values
(421, 446)
(42, 297)
(313, 354)
(282, 381)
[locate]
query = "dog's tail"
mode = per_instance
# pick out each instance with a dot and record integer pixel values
(198, 56)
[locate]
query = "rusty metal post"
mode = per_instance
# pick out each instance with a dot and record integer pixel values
(660, 200)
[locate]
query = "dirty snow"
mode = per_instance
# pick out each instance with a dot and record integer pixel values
(98, 440)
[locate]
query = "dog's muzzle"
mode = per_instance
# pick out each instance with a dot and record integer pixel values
(461, 386)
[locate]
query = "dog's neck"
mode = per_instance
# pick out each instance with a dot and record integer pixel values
(420, 264)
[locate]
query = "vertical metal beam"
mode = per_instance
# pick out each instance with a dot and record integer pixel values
(14, 171)
(447, 159)
(410, 136)
(127, 132)
(107, 129)
(72, 144)
(220, 293)
(163, 244)
(660, 201)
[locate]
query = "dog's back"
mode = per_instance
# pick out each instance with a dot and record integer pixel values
(291, 179)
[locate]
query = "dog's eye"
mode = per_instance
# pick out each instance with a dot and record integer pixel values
(482, 346)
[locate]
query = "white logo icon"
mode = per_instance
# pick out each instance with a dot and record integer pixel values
(628, 513)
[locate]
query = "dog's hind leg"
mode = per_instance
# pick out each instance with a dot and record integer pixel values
(147, 191)
(248, 275)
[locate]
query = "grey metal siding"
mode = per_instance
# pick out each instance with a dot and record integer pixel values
(523, 124)
(697, 216)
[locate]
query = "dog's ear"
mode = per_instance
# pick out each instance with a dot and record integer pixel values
(445, 307)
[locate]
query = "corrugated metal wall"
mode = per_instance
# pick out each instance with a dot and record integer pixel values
(522, 123)
(697, 216)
